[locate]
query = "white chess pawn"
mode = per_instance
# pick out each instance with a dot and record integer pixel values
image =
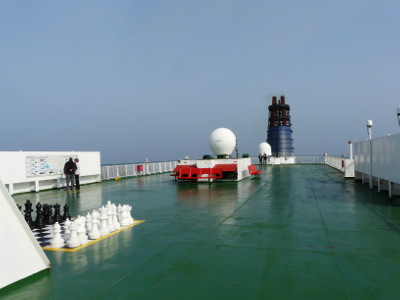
(95, 217)
(83, 239)
(119, 212)
(103, 221)
(73, 241)
(124, 216)
(116, 224)
(57, 241)
(88, 222)
(67, 232)
(94, 233)
(110, 222)
(130, 214)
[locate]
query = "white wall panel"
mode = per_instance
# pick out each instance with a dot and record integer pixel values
(385, 157)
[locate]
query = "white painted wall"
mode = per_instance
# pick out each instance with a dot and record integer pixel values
(385, 157)
(14, 173)
(20, 254)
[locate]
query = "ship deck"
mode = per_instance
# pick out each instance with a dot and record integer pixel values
(300, 232)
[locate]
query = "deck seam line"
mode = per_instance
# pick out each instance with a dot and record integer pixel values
(329, 240)
(239, 207)
(383, 218)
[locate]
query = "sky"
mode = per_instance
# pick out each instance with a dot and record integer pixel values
(153, 79)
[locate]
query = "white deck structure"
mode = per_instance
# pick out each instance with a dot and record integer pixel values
(23, 171)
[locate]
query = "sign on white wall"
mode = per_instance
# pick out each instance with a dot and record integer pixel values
(45, 165)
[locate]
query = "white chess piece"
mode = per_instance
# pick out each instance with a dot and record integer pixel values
(119, 213)
(103, 219)
(57, 241)
(124, 216)
(88, 222)
(116, 224)
(110, 222)
(130, 214)
(83, 239)
(73, 241)
(94, 233)
(96, 215)
(67, 232)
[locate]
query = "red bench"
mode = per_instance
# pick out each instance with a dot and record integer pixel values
(253, 171)
(178, 170)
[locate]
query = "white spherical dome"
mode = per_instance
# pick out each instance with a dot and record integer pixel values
(222, 141)
(264, 148)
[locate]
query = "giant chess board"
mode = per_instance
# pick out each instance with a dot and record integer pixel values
(45, 235)
(57, 232)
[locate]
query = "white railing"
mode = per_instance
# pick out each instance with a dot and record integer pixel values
(138, 169)
(298, 159)
(344, 165)
(150, 168)
(309, 159)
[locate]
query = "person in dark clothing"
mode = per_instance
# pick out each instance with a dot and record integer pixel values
(69, 171)
(77, 172)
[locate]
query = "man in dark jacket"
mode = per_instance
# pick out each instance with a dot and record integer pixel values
(69, 171)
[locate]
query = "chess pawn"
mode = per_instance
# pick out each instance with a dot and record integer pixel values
(83, 239)
(57, 241)
(28, 214)
(39, 222)
(48, 214)
(94, 233)
(116, 224)
(110, 222)
(57, 214)
(88, 222)
(130, 214)
(66, 212)
(73, 241)
(103, 219)
(67, 232)
(96, 217)
(119, 213)
(124, 216)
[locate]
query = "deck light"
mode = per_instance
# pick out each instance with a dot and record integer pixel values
(369, 126)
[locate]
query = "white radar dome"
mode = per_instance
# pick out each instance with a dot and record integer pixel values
(264, 148)
(222, 141)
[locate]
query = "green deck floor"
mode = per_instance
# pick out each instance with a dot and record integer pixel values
(300, 232)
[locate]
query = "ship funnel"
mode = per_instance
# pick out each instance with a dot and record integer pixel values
(280, 128)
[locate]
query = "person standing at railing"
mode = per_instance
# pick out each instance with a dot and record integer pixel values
(69, 171)
(77, 173)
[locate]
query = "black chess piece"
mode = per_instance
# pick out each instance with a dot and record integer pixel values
(28, 214)
(39, 222)
(48, 214)
(66, 212)
(57, 214)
